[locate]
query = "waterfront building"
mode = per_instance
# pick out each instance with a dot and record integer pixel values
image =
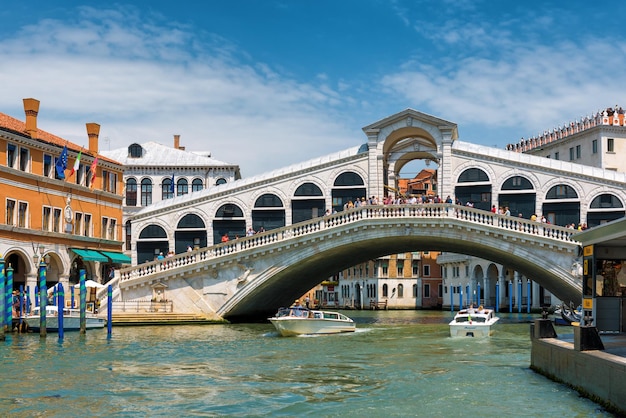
(153, 173)
(396, 281)
(62, 204)
(597, 141)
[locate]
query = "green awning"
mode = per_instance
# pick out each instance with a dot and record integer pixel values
(90, 255)
(117, 257)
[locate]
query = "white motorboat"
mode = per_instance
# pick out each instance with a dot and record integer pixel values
(473, 322)
(71, 319)
(302, 321)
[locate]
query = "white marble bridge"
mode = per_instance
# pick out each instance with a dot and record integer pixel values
(251, 276)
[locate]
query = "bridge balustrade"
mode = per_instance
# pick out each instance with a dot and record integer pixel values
(432, 210)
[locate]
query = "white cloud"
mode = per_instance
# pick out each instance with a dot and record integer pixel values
(143, 82)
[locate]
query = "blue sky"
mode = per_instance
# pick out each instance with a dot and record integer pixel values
(265, 84)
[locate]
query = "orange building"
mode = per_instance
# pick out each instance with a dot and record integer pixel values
(69, 219)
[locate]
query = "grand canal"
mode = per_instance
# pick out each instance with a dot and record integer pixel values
(398, 363)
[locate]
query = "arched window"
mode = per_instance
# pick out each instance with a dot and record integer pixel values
(517, 183)
(229, 211)
(349, 179)
(135, 151)
(167, 191)
(561, 191)
(472, 175)
(146, 192)
(308, 189)
(385, 290)
(400, 290)
(414, 290)
(182, 187)
(152, 231)
(220, 181)
(190, 221)
(606, 201)
(268, 200)
(131, 192)
(196, 185)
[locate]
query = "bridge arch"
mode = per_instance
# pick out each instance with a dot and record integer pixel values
(268, 212)
(152, 241)
(347, 186)
(229, 219)
(190, 231)
(605, 207)
(308, 201)
(561, 204)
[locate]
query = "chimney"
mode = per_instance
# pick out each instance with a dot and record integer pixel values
(93, 130)
(31, 108)
(177, 143)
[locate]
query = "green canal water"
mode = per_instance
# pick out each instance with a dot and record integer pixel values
(397, 364)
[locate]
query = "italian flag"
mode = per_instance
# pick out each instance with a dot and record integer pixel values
(76, 163)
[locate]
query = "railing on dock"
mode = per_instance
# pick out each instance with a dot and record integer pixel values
(142, 306)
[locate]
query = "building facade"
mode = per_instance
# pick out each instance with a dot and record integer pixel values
(154, 173)
(62, 204)
(397, 281)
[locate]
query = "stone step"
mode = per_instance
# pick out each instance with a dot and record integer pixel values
(155, 318)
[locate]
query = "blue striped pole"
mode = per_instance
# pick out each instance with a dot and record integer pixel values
(60, 307)
(460, 298)
(478, 294)
(497, 296)
(28, 300)
(83, 301)
(9, 299)
(22, 306)
(2, 299)
(468, 295)
(528, 293)
(510, 296)
(519, 293)
(109, 310)
(43, 299)
(72, 297)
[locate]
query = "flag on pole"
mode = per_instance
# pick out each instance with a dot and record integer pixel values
(172, 184)
(76, 163)
(61, 163)
(92, 171)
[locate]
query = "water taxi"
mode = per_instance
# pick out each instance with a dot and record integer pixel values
(71, 319)
(302, 321)
(473, 322)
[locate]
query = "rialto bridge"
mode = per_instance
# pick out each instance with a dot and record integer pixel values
(251, 280)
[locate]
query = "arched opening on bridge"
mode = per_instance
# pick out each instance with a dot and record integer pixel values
(228, 220)
(305, 205)
(190, 232)
(268, 213)
(518, 202)
(152, 241)
(604, 208)
(562, 206)
(348, 187)
(476, 189)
